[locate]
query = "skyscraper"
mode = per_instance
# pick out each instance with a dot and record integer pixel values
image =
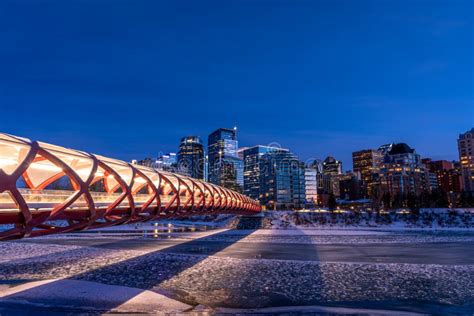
(367, 162)
(147, 162)
(331, 169)
(318, 166)
(167, 162)
(402, 172)
(251, 158)
(240, 152)
(384, 149)
(191, 157)
(350, 186)
(222, 142)
(466, 157)
(332, 166)
(282, 181)
(229, 173)
(447, 177)
(225, 167)
(311, 186)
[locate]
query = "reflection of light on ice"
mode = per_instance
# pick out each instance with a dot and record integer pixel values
(208, 260)
(55, 283)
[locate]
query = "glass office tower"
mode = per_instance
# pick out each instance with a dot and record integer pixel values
(191, 157)
(251, 157)
(167, 162)
(225, 167)
(282, 181)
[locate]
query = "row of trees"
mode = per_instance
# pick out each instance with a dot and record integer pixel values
(433, 199)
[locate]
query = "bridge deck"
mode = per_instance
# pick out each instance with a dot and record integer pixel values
(41, 184)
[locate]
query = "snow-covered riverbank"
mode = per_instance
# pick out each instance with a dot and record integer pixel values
(427, 219)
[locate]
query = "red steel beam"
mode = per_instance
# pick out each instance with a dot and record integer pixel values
(134, 193)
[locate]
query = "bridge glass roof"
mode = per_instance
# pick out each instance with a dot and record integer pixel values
(42, 185)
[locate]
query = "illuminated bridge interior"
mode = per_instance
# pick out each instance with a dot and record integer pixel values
(47, 189)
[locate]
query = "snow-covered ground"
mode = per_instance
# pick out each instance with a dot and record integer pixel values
(220, 279)
(231, 282)
(306, 228)
(428, 219)
(257, 283)
(338, 223)
(84, 296)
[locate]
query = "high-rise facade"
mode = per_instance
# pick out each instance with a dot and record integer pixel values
(167, 162)
(448, 178)
(251, 157)
(282, 180)
(403, 154)
(225, 167)
(311, 186)
(240, 152)
(367, 163)
(191, 157)
(384, 149)
(350, 186)
(318, 166)
(146, 162)
(332, 168)
(466, 158)
(228, 173)
(222, 142)
(402, 172)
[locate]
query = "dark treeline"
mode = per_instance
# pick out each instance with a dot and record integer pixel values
(433, 199)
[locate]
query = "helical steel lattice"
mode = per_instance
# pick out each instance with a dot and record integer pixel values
(47, 189)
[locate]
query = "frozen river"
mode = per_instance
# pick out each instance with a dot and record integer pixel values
(396, 270)
(448, 253)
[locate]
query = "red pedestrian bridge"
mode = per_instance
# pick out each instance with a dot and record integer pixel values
(46, 189)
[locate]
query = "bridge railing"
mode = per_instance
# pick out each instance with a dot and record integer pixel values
(48, 189)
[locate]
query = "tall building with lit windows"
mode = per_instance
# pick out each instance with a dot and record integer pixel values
(332, 168)
(367, 162)
(282, 180)
(240, 152)
(448, 178)
(466, 158)
(225, 166)
(350, 186)
(311, 186)
(402, 172)
(191, 157)
(251, 157)
(167, 162)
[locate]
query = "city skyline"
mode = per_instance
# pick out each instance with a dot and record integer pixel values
(345, 164)
(234, 157)
(338, 77)
(346, 158)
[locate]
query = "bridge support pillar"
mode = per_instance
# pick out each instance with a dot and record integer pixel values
(248, 222)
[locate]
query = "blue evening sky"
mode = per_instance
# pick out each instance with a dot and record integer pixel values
(127, 79)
